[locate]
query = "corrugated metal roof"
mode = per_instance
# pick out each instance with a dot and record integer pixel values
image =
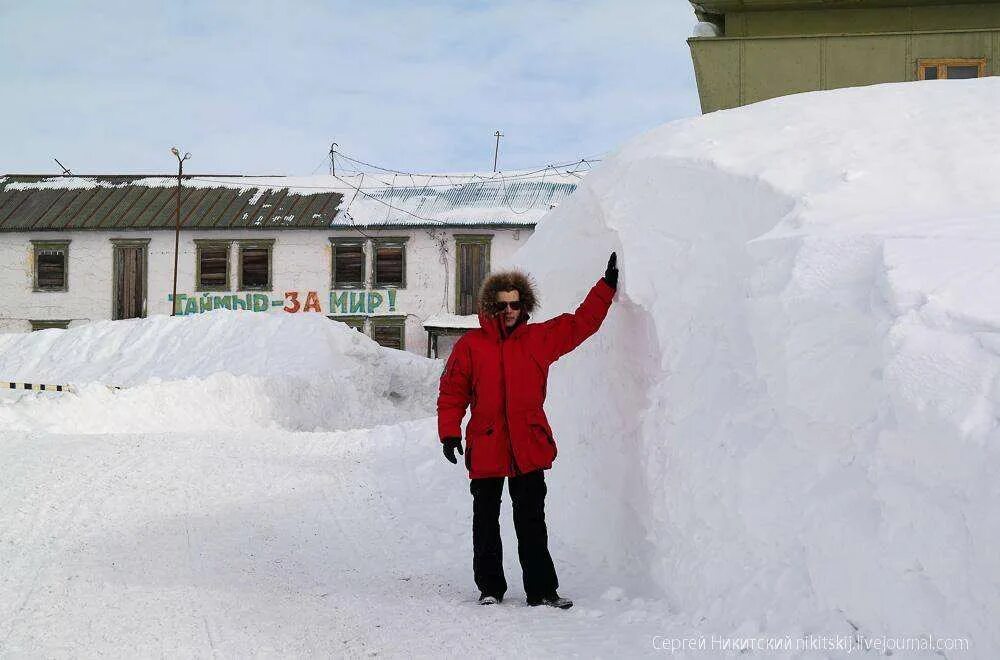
(38, 203)
(120, 203)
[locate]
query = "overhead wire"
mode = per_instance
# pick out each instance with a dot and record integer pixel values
(350, 217)
(390, 170)
(476, 179)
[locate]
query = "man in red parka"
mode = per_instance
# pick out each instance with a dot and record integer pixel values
(501, 371)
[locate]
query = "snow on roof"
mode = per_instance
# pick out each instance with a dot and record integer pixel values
(442, 320)
(368, 200)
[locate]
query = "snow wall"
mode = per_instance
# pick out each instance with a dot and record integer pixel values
(789, 422)
(221, 370)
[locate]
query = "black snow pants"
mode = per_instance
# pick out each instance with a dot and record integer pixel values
(527, 495)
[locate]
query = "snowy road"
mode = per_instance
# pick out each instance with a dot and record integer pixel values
(275, 544)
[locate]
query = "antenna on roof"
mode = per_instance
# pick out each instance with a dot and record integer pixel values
(496, 151)
(64, 168)
(333, 162)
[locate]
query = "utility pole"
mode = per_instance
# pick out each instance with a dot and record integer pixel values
(64, 168)
(496, 151)
(333, 162)
(177, 232)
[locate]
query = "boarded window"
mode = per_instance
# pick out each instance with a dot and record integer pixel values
(390, 262)
(213, 265)
(963, 72)
(46, 325)
(472, 265)
(255, 265)
(389, 332)
(951, 69)
(348, 264)
(354, 322)
(51, 258)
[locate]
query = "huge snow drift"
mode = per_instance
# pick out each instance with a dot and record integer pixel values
(217, 371)
(789, 422)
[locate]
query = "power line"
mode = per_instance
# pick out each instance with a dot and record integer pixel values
(387, 204)
(389, 170)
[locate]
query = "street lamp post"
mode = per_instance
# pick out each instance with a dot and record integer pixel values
(177, 232)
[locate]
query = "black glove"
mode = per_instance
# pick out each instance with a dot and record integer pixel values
(611, 274)
(449, 446)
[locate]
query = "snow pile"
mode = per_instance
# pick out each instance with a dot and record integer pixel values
(214, 371)
(789, 422)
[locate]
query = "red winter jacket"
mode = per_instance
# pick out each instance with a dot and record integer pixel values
(504, 379)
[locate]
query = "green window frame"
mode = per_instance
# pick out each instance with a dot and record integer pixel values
(485, 240)
(46, 325)
(382, 266)
(353, 321)
(255, 246)
(47, 253)
(389, 331)
(203, 245)
(348, 283)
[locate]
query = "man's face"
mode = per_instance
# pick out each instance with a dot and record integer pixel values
(507, 315)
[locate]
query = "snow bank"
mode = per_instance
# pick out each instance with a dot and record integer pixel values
(219, 370)
(789, 423)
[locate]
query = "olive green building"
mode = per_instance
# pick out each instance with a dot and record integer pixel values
(759, 49)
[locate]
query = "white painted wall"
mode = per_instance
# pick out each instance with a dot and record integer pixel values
(301, 261)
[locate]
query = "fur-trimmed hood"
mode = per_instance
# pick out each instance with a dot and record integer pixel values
(508, 280)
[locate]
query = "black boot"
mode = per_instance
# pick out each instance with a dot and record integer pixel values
(552, 600)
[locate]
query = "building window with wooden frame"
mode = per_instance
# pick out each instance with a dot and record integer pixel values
(348, 266)
(356, 322)
(255, 264)
(472, 264)
(390, 262)
(51, 265)
(951, 68)
(46, 325)
(212, 265)
(389, 331)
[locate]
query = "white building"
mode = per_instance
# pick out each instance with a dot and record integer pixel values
(381, 253)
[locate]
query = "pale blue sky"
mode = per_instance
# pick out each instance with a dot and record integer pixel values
(264, 87)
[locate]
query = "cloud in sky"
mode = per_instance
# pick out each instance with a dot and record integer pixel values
(264, 87)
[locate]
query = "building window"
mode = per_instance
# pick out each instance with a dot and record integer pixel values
(390, 331)
(255, 265)
(355, 322)
(213, 265)
(951, 69)
(348, 263)
(472, 264)
(390, 262)
(51, 260)
(45, 325)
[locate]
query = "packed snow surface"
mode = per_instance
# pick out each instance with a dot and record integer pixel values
(786, 428)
